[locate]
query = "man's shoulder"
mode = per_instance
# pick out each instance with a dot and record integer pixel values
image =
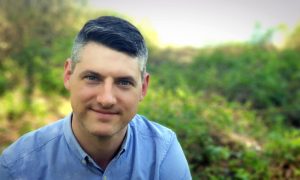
(31, 142)
(148, 128)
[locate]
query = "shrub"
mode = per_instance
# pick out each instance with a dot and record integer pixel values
(217, 136)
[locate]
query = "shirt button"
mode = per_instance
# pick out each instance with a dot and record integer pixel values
(104, 178)
(83, 161)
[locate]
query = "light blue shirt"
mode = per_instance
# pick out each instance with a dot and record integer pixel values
(149, 151)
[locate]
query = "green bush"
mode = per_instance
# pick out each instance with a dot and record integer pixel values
(264, 77)
(209, 128)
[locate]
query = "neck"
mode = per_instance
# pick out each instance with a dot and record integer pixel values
(101, 149)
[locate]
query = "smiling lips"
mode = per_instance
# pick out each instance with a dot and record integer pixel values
(105, 114)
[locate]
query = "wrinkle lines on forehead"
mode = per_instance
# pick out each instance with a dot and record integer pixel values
(98, 54)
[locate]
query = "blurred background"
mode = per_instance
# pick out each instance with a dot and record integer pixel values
(225, 76)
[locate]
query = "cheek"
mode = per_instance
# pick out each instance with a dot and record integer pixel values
(130, 100)
(82, 94)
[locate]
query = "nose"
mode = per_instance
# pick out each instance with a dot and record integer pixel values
(106, 97)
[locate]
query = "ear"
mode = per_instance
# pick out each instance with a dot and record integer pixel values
(145, 85)
(67, 73)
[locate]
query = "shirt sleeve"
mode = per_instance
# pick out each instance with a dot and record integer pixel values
(175, 166)
(4, 172)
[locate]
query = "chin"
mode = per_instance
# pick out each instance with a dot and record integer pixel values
(102, 133)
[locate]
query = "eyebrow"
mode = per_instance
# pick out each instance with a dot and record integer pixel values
(83, 73)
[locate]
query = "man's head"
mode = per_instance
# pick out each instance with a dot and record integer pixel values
(114, 33)
(104, 77)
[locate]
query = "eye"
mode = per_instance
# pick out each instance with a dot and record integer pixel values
(91, 78)
(125, 83)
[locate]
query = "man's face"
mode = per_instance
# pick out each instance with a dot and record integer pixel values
(105, 87)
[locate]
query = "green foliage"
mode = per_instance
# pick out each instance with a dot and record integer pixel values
(231, 108)
(34, 40)
(263, 77)
(266, 78)
(214, 133)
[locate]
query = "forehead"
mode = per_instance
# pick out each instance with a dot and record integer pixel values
(102, 59)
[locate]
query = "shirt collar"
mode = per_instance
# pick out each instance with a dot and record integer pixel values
(76, 148)
(125, 143)
(71, 140)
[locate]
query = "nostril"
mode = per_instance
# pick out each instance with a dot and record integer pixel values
(106, 100)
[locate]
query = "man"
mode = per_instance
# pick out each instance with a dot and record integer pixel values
(103, 138)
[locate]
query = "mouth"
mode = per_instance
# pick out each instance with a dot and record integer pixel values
(104, 114)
